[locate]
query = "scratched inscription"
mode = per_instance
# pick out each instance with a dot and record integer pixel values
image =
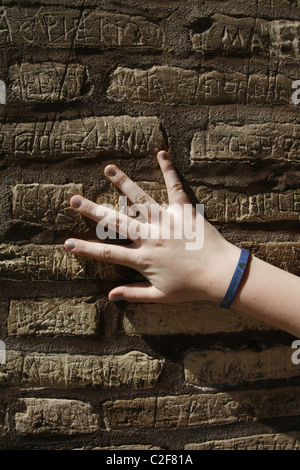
(47, 81)
(250, 142)
(278, 39)
(122, 135)
(174, 85)
(58, 27)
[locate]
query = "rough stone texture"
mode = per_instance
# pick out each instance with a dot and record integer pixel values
(173, 85)
(276, 441)
(211, 367)
(51, 263)
(3, 427)
(188, 318)
(276, 39)
(47, 204)
(265, 141)
(196, 410)
(52, 416)
(47, 82)
(55, 27)
(75, 316)
(228, 206)
(131, 370)
(86, 137)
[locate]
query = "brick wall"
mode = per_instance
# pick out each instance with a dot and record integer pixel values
(94, 82)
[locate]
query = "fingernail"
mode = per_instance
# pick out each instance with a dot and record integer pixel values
(110, 171)
(70, 245)
(163, 155)
(116, 298)
(76, 202)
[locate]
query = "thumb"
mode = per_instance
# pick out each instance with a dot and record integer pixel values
(136, 292)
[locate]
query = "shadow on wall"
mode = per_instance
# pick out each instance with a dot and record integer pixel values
(2, 92)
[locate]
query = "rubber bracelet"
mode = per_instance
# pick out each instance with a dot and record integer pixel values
(236, 278)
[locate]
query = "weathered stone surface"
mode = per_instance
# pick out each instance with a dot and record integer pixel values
(174, 85)
(277, 39)
(211, 367)
(131, 370)
(51, 416)
(68, 27)
(186, 318)
(228, 206)
(86, 137)
(75, 316)
(47, 204)
(3, 427)
(276, 441)
(52, 263)
(47, 81)
(264, 141)
(283, 255)
(202, 409)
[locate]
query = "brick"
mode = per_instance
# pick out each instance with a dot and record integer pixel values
(132, 370)
(203, 409)
(47, 81)
(178, 86)
(264, 141)
(69, 27)
(283, 255)
(52, 416)
(75, 317)
(53, 263)
(186, 318)
(228, 206)
(212, 367)
(276, 441)
(276, 39)
(86, 137)
(47, 204)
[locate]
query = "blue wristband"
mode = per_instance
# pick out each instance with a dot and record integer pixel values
(236, 279)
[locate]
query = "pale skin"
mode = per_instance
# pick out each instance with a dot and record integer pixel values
(175, 274)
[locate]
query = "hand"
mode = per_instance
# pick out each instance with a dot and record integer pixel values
(173, 272)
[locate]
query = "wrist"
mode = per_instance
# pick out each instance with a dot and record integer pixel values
(223, 264)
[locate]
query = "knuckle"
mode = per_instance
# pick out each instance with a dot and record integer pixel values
(106, 253)
(121, 179)
(87, 206)
(143, 262)
(177, 187)
(142, 198)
